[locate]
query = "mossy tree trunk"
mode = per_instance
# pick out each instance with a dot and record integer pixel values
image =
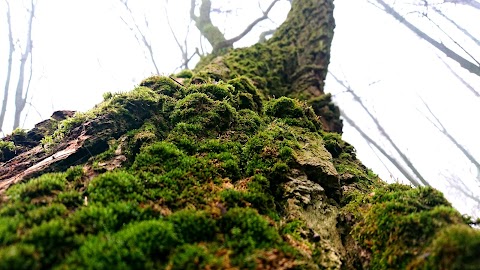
(237, 165)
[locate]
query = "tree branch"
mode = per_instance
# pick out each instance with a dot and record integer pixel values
(453, 40)
(371, 141)
(144, 40)
(471, 67)
(249, 28)
(20, 100)
(440, 127)
(9, 67)
(382, 130)
(463, 30)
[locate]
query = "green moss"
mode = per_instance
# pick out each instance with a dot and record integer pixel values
(9, 226)
(186, 73)
(53, 240)
(245, 230)
(218, 91)
(45, 185)
(45, 213)
(141, 245)
(256, 194)
(19, 256)
(7, 150)
(293, 112)
(158, 158)
(455, 247)
(396, 221)
(284, 108)
(248, 122)
(196, 256)
(115, 186)
(193, 226)
(71, 198)
(200, 109)
(164, 85)
(246, 94)
(336, 146)
(214, 176)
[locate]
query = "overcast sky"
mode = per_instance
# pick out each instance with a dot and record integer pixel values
(83, 49)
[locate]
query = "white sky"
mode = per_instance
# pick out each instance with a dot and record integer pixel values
(82, 49)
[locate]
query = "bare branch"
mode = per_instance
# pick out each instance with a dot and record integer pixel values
(382, 130)
(440, 127)
(9, 67)
(204, 24)
(20, 99)
(263, 35)
(453, 40)
(371, 141)
(183, 49)
(465, 83)
(470, 3)
(471, 67)
(143, 36)
(464, 31)
(192, 10)
(247, 30)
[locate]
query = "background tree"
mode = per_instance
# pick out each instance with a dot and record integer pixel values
(24, 76)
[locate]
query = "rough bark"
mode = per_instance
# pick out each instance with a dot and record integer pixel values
(209, 170)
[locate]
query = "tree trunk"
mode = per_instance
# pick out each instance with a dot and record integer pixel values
(221, 168)
(9, 68)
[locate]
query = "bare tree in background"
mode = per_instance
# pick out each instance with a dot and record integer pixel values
(442, 129)
(472, 66)
(416, 179)
(471, 3)
(140, 34)
(212, 33)
(24, 76)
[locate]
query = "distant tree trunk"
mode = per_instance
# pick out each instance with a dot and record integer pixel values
(24, 78)
(212, 33)
(9, 67)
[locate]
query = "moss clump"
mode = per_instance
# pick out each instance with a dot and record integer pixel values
(396, 222)
(200, 109)
(246, 94)
(115, 186)
(45, 185)
(7, 150)
(186, 73)
(141, 245)
(163, 85)
(293, 112)
(219, 91)
(19, 256)
(455, 247)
